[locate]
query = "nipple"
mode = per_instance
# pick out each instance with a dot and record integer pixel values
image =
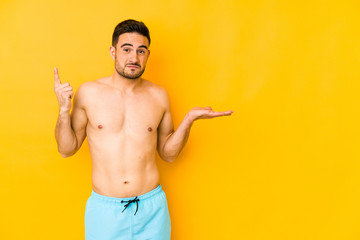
(149, 129)
(125, 182)
(100, 126)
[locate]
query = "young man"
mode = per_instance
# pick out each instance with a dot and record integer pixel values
(125, 118)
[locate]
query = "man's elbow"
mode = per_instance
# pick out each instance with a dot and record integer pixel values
(65, 154)
(167, 156)
(68, 150)
(168, 159)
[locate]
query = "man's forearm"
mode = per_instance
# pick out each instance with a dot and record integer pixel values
(65, 136)
(177, 140)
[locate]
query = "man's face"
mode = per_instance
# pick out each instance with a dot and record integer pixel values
(130, 55)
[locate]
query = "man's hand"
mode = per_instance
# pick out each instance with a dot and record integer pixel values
(64, 93)
(206, 113)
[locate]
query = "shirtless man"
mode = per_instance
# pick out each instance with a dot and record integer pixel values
(126, 119)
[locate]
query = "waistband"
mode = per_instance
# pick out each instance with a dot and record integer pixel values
(115, 200)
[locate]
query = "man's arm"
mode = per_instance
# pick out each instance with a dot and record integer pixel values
(70, 129)
(170, 142)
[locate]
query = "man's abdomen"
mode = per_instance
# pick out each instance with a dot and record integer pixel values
(129, 178)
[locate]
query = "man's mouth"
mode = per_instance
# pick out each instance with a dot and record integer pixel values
(133, 66)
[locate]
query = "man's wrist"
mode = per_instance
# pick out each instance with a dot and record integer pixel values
(188, 119)
(64, 113)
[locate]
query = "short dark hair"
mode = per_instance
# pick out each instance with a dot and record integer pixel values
(129, 26)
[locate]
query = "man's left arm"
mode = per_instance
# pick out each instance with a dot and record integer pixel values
(170, 142)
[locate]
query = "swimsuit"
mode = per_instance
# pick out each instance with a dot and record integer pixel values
(144, 217)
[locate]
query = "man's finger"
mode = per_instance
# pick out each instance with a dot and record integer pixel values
(66, 89)
(63, 85)
(67, 94)
(219, 114)
(226, 113)
(229, 112)
(57, 79)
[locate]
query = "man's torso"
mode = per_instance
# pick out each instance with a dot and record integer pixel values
(122, 136)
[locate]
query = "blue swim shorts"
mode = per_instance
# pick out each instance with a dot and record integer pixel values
(143, 217)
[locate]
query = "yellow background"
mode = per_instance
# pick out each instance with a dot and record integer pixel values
(284, 166)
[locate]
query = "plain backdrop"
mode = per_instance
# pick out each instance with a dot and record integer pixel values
(284, 166)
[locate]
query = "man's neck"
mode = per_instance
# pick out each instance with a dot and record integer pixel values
(124, 84)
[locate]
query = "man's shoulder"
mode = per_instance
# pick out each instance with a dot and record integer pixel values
(159, 93)
(86, 92)
(155, 89)
(90, 86)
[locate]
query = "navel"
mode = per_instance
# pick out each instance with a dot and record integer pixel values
(125, 182)
(149, 129)
(100, 126)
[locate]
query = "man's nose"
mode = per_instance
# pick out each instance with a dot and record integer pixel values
(134, 58)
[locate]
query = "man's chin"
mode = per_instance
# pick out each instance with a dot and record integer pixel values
(131, 75)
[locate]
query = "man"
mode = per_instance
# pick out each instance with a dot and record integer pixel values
(125, 118)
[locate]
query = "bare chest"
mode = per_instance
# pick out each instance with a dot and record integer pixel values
(134, 115)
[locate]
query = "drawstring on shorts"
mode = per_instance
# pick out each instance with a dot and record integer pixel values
(129, 202)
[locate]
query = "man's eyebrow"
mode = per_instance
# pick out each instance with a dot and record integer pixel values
(126, 44)
(129, 44)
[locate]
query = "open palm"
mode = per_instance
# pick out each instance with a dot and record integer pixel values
(207, 113)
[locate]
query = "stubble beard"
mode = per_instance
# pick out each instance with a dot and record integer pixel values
(121, 71)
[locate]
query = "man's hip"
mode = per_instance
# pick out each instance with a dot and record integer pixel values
(139, 218)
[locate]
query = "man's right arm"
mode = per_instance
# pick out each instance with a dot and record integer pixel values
(70, 130)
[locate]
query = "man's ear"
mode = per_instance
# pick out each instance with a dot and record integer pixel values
(112, 52)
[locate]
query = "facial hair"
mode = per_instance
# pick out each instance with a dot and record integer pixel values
(121, 71)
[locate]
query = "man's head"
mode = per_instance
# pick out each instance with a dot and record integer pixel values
(130, 48)
(130, 26)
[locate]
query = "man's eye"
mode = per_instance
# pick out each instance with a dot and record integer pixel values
(126, 50)
(141, 51)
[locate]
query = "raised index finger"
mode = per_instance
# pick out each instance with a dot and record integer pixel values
(57, 79)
